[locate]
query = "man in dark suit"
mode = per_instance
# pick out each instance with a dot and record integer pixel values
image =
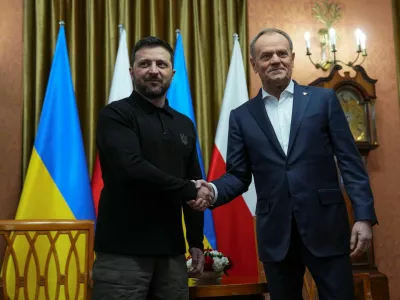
(289, 137)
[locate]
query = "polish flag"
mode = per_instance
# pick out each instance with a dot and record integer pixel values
(234, 225)
(121, 87)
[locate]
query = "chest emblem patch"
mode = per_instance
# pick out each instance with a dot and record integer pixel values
(184, 139)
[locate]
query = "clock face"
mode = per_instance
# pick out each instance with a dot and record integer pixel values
(354, 110)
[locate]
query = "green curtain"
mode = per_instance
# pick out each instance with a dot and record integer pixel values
(207, 28)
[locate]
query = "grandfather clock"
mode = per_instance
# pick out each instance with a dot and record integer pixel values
(357, 96)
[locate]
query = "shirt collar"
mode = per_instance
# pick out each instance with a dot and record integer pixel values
(148, 107)
(289, 89)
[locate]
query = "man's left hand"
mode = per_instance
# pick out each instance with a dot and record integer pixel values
(197, 262)
(361, 237)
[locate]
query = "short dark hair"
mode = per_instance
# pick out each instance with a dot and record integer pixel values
(268, 31)
(152, 41)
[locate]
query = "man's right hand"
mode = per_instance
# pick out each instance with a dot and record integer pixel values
(205, 196)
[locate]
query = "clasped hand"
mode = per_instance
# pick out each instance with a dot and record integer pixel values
(205, 196)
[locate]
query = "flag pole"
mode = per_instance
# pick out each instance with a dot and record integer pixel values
(62, 23)
(235, 37)
(177, 32)
(121, 27)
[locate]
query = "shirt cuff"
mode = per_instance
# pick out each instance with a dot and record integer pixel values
(215, 193)
(188, 192)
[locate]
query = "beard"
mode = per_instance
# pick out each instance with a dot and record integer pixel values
(148, 90)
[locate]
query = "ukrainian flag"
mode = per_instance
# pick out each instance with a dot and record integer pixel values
(56, 187)
(179, 98)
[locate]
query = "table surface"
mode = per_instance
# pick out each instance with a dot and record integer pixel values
(228, 286)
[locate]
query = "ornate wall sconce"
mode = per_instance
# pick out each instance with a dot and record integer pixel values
(328, 44)
(329, 13)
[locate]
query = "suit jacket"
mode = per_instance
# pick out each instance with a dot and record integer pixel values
(304, 183)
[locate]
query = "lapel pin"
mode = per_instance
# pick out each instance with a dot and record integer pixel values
(304, 93)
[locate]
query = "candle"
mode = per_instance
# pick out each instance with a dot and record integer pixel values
(363, 38)
(358, 34)
(332, 36)
(307, 38)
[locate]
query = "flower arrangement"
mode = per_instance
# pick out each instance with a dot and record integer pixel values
(214, 262)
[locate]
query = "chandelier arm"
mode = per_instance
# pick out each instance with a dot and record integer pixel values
(354, 61)
(309, 56)
(362, 60)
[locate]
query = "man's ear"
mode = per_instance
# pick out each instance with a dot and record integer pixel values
(293, 55)
(253, 64)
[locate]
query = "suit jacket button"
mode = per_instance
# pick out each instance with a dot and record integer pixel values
(287, 168)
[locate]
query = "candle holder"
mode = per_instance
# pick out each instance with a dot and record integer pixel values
(329, 63)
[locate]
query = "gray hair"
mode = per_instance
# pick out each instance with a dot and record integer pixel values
(267, 31)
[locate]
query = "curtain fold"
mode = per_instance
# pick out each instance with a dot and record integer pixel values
(207, 28)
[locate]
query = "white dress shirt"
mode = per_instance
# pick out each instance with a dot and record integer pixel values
(280, 115)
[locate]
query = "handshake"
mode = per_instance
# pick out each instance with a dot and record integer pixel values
(205, 196)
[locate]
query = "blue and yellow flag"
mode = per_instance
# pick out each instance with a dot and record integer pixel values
(179, 98)
(57, 185)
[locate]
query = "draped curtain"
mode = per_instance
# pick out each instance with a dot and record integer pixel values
(207, 28)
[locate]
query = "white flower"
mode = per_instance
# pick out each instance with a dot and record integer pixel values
(225, 261)
(215, 253)
(218, 265)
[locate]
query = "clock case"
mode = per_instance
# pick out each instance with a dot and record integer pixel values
(361, 89)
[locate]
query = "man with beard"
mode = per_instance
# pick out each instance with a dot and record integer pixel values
(149, 162)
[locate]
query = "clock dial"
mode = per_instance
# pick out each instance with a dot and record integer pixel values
(354, 110)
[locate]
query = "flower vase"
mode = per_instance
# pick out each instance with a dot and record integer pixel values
(209, 278)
